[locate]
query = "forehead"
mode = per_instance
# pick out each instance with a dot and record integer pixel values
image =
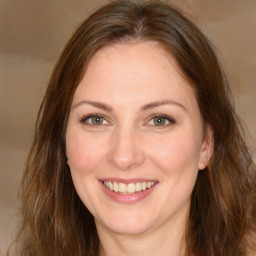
(134, 71)
(137, 54)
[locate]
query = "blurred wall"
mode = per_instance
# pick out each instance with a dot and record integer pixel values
(32, 33)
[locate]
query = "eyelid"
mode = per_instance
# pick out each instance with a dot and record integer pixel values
(86, 117)
(171, 120)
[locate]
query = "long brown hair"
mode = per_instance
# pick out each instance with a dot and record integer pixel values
(223, 205)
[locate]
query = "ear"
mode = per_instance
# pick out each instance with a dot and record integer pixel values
(206, 148)
(67, 157)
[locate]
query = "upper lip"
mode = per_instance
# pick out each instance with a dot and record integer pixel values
(127, 181)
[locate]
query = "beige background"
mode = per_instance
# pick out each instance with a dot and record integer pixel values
(34, 31)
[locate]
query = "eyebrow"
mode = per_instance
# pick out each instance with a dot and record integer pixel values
(145, 107)
(161, 103)
(95, 104)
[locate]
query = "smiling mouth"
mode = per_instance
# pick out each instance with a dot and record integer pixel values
(130, 188)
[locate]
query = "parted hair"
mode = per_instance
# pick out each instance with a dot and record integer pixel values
(222, 214)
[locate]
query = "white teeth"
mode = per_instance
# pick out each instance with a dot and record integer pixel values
(122, 188)
(138, 186)
(130, 188)
(149, 185)
(110, 186)
(115, 187)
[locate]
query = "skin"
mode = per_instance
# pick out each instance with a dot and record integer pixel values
(128, 77)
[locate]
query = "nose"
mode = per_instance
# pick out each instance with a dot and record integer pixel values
(126, 150)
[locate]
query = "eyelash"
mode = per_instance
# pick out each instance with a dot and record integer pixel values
(167, 118)
(151, 118)
(85, 118)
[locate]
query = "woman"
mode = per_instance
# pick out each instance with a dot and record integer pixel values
(137, 147)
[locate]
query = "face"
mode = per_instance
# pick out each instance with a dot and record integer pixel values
(134, 139)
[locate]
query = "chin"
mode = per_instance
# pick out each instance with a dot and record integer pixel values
(129, 225)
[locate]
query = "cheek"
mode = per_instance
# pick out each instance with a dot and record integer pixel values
(175, 154)
(84, 152)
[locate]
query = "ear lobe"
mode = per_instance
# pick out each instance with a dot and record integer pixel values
(207, 148)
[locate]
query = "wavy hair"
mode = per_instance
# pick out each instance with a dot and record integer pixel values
(222, 215)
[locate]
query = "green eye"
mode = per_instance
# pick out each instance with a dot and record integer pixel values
(158, 121)
(161, 120)
(96, 120)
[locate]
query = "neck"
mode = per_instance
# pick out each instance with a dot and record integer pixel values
(165, 241)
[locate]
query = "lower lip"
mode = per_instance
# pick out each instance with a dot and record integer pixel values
(127, 198)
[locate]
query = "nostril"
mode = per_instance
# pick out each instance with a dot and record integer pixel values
(127, 163)
(125, 152)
